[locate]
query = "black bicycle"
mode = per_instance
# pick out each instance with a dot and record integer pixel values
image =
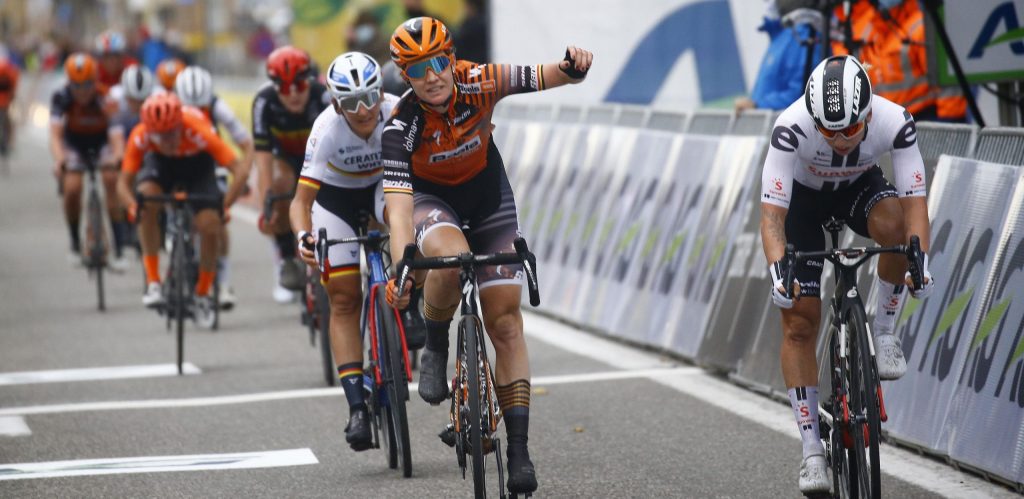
(388, 375)
(96, 242)
(852, 414)
(474, 414)
(183, 268)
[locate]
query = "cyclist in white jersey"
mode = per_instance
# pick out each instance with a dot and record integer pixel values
(194, 87)
(823, 162)
(340, 178)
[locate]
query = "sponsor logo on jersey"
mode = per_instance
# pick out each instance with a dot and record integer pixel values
(477, 87)
(468, 147)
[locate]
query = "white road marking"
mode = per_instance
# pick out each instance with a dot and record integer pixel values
(14, 426)
(117, 405)
(929, 474)
(95, 373)
(158, 464)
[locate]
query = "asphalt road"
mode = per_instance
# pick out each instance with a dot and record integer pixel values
(607, 420)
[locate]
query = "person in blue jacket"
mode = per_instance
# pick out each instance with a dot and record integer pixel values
(781, 77)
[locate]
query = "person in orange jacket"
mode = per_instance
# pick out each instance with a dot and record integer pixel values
(889, 38)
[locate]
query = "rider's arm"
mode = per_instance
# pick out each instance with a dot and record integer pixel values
(130, 165)
(262, 142)
(300, 216)
(911, 183)
(57, 105)
(399, 215)
(225, 116)
(223, 155)
(777, 191)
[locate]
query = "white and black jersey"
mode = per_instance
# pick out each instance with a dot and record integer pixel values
(798, 152)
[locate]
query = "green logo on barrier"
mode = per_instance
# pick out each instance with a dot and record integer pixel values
(673, 247)
(698, 248)
(628, 237)
(652, 239)
(556, 219)
(908, 310)
(951, 314)
(313, 12)
(716, 254)
(990, 321)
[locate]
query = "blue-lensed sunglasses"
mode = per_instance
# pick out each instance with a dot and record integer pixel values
(437, 64)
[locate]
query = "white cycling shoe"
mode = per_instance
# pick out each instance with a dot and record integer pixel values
(119, 265)
(153, 297)
(205, 315)
(814, 475)
(889, 356)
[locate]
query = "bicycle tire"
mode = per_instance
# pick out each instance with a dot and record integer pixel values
(866, 390)
(387, 421)
(180, 281)
(321, 319)
(471, 334)
(215, 294)
(839, 455)
(95, 233)
(397, 382)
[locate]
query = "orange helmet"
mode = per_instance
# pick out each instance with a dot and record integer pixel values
(81, 68)
(161, 112)
(418, 38)
(287, 66)
(167, 71)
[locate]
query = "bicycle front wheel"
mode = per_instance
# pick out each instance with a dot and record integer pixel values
(840, 456)
(320, 318)
(864, 389)
(180, 272)
(96, 242)
(471, 334)
(393, 364)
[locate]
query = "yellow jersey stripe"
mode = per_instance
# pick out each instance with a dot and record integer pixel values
(309, 182)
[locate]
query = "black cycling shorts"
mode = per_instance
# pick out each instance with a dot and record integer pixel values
(195, 174)
(486, 202)
(810, 208)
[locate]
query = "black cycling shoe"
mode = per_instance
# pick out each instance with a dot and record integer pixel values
(357, 431)
(292, 275)
(433, 376)
(522, 478)
(415, 328)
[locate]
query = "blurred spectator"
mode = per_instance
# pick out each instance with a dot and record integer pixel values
(365, 36)
(414, 8)
(473, 35)
(792, 27)
(891, 39)
(261, 43)
(393, 82)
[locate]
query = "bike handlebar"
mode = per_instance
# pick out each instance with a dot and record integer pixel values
(323, 244)
(915, 259)
(467, 260)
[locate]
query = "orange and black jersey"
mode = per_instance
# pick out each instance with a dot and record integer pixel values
(422, 145)
(281, 132)
(85, 126)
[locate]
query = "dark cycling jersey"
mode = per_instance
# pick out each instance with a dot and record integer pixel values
(85, 126)
(283, 133)
(421, 145)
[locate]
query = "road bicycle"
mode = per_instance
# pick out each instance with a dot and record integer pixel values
(386, 379)
(852, 414)
(97, 244)
(183, 268)
(474, 413)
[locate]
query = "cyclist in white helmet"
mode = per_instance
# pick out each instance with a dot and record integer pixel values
(123, 103)
(823, 162)
(340, 178)
(194, 87)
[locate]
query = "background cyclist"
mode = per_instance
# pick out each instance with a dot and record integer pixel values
(111, 51)
(194, 87)
(822, 163)
(80, 129)
(176, 146)
(283, 113)
(438, 146)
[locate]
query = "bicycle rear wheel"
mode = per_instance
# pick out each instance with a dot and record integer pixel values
(472, 335)
(864, 402)
(321, 319)
(395, 379)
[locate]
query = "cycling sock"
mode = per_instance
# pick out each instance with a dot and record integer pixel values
(437, 335)
(204, 282)
(76, 244)
(438, 321)
(120, 230)
(223, 270)
(514, 400)
(804, 400)
(151, 263)
(286, 244)
(890, 296)
(351, 377)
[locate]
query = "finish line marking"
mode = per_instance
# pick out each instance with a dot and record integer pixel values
(14, 426)
(95, 374)
(158, 464)
(310, 393)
